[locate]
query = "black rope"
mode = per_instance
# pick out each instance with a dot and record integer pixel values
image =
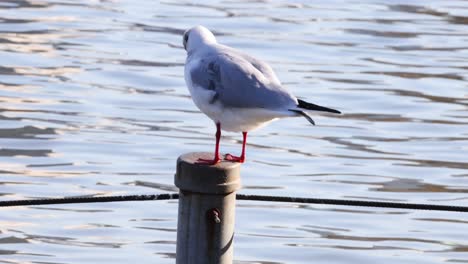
(170, 196)
(96, 199)
(433, 207)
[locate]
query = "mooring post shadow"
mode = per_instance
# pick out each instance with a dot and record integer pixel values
(207, 201)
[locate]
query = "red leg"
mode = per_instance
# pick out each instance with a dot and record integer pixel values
(240, 159)
(216, 158)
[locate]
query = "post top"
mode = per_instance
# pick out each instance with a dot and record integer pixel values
(222, 178)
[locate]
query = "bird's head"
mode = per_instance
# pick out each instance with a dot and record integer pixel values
(197, 36)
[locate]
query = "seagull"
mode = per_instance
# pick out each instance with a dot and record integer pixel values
(240, 93)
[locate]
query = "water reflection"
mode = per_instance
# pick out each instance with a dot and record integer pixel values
(18, 4)
(69, 241)
(408, 185)
(93, 102)
(418, 75)
(26, 132)
(421, 95)
(25, 152)
(388, 34)
(452, 19)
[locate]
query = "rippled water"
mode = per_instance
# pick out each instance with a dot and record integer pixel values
(93, 102)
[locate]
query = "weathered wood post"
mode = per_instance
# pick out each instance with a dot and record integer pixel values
(207, 201)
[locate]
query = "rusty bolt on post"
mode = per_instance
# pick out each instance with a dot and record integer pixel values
(214, 215)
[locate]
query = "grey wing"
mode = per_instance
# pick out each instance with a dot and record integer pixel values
(238, 83)
(262, 66)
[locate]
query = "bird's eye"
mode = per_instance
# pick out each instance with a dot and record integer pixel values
(185, 40)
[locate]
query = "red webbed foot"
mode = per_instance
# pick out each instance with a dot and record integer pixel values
(233, 158)
(209, 162)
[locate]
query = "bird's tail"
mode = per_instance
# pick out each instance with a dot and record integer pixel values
(309, 106)
(304, 114)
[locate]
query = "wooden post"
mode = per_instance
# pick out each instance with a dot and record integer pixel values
(207, 201)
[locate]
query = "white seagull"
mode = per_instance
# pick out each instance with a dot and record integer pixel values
(237, 91)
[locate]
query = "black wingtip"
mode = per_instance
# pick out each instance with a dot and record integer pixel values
(314, 107)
